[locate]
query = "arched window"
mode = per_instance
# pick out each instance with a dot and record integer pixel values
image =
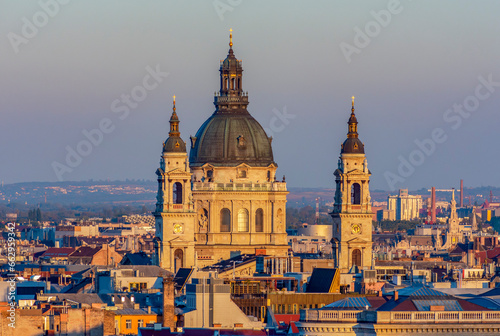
(239, 83)
(232, 84)
(178, 259)
(259, 220)
(177, 193)
(355, 194)
(243, 220)
(226, 83)
(225, 220)
(356, 258)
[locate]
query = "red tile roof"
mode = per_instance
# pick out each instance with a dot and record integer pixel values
(58, 252)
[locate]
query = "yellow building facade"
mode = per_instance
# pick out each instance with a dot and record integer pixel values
(352, 214)
(230, 201)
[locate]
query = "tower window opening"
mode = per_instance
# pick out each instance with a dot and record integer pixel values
(177, 194)
(232, 84)
(356, 257)
(226, 83)
(356, 194)
(225, 220)
(178, 259)
(243, 220)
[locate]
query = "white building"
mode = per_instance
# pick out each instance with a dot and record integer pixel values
(406, 206)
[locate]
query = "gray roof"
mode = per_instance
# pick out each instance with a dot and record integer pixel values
(229, 139)
(82, 298)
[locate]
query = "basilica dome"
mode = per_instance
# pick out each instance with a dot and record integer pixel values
(229, 139)
(231, 136)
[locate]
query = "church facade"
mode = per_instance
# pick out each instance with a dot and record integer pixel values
(225, 199)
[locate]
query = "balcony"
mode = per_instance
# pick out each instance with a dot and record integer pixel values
(214, 186)
(370, 316)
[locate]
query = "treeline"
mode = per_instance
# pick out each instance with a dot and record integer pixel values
(398, 225)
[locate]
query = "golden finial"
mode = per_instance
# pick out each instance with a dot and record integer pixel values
(352, 101)
(174, 104)
(230, 37)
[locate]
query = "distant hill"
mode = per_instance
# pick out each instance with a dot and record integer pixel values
(144, 192)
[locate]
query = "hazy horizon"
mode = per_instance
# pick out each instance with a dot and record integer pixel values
(428, 71)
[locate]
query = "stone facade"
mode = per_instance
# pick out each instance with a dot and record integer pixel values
(174, 215)
(231, 201)
(352, 215)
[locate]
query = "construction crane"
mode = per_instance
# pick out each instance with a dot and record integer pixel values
(317, 211)
(444, 190)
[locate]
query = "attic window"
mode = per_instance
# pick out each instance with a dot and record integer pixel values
(242, 143)
(177, 144)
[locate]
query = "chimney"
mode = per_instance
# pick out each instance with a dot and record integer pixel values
(168, 303)
(396, 295)
(433, 205)
(461, 193)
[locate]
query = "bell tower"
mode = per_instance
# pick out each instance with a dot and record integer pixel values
(174, 215)
(352, 215)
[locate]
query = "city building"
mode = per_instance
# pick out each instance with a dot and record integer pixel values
(405, 207)
(413, 310)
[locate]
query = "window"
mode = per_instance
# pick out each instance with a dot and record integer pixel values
(225, 220)
(128, 324)
(243, 220)
(178, 259)
(259, 220)
(355, 194)
(356, 257)
(177, 193)
(140, 323)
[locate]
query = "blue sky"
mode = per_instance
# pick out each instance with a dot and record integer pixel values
(410, 69)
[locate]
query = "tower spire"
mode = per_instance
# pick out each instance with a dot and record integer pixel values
(174, 122)
(230, 38)
(353, 123)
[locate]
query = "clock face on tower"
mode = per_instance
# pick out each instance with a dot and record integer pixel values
(356, 228)
(178, 228)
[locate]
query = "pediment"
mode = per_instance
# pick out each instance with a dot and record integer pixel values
(356, 172)
(177, 171)
(242, 165)
(357, 240)
(207, 166)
